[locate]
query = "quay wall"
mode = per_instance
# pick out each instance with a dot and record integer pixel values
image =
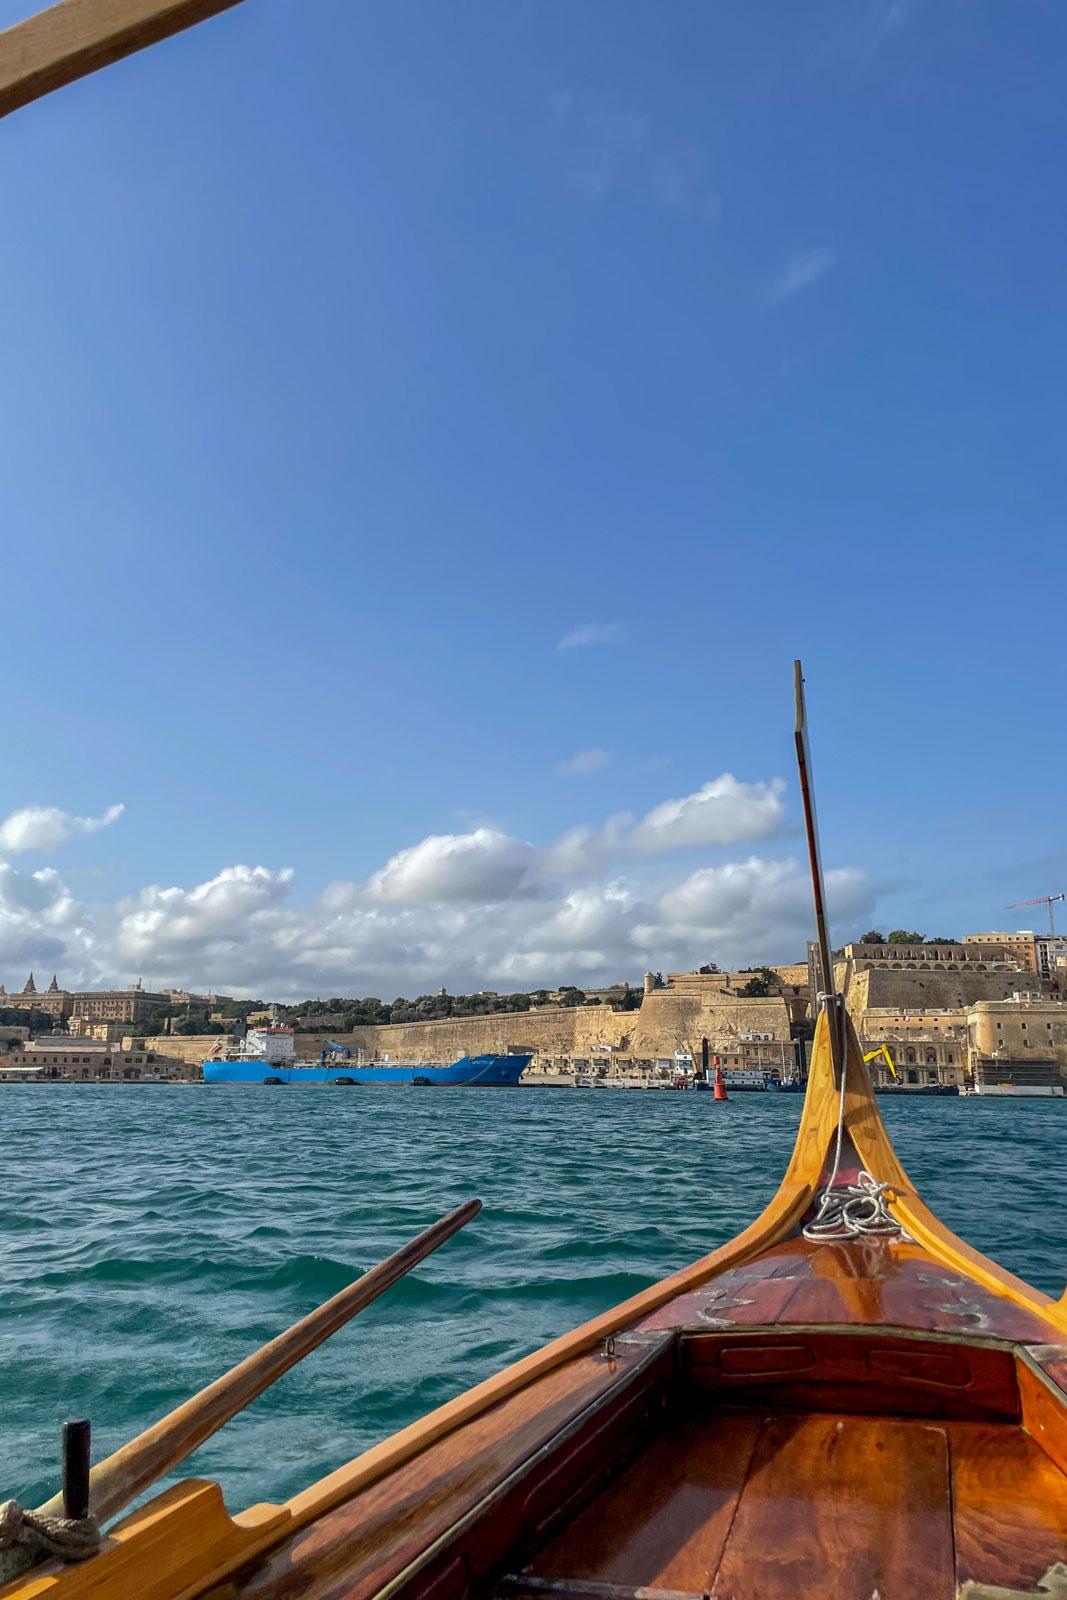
(667, 1021)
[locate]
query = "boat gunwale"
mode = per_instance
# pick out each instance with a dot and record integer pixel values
(666, 1344)
(778, 1221)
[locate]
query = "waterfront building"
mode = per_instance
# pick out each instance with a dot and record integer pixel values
(992, 1074)
(1021, 945)
(1028, 1027)
(930, 1047)
(946, 1045)
(57, 1059)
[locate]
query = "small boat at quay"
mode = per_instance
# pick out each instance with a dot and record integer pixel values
(845, 1401)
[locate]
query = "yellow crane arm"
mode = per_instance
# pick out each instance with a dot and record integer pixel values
(882, 1050)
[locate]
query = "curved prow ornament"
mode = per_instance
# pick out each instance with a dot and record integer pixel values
(826, 999)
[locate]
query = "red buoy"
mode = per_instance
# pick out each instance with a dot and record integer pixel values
(720, 1087)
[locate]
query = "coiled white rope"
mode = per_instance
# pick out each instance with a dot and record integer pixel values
(849, 1210)
(27, 1537)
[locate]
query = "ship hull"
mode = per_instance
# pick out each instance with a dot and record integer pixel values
(483, 1072)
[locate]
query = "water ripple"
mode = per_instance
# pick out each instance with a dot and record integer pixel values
(154, 1236)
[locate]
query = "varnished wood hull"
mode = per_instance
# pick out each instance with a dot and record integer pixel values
(784, 1418)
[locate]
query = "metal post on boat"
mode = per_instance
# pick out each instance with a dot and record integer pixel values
(77, 1446)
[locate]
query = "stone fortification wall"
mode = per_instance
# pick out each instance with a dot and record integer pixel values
(667, 1021)
(565, 1031)
(194, 1047)
(880, 987)
(671, 1019)
(714, 983)
(795, 972)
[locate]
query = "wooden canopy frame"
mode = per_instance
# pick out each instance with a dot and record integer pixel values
(77, 37)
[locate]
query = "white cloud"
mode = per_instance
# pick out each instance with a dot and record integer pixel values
(803, 268)
(864, 27)
(590, 633)
(606, 150)
(481, 866)
(752, 902)
(162, 925)
(46, 827)
(584, 761)
(39, 921)
(473, 910)
(724, 811)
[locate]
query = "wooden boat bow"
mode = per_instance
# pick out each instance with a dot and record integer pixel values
(930, 1362)
(789, 1416)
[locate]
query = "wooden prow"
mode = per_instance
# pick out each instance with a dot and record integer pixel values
(867, 1131)
(825, 998)
(780, 1220)
(76, 37)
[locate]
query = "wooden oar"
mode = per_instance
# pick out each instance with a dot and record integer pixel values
(76, 37)
(136, 1465)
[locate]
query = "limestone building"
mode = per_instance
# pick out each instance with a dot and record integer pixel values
(55, 1002)
(1027, 1027)
(134, 1004)
(89, 1061)
(927, 1049)
(1020, 945)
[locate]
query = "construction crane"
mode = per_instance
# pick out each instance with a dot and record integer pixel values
(1041, 900)
(882, 1050)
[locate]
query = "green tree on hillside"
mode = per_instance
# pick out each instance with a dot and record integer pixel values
(761, 985)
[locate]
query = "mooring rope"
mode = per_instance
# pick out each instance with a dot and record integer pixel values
(27, 1537)
(849, 1210)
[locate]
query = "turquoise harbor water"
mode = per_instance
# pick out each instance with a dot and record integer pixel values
(152, 1236)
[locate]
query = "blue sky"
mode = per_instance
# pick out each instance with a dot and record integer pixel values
(358, 357)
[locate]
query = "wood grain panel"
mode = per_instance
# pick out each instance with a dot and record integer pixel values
(1044, 1410)
(852, 1372)
(846, 1300)
(663, 1523)
(841, 1508)
(736, 1304)
(1009, 1506)
(578, 1468)
(376, 1534)
(963, 1307)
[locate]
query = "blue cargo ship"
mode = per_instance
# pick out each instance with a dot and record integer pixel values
(488, 1072)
